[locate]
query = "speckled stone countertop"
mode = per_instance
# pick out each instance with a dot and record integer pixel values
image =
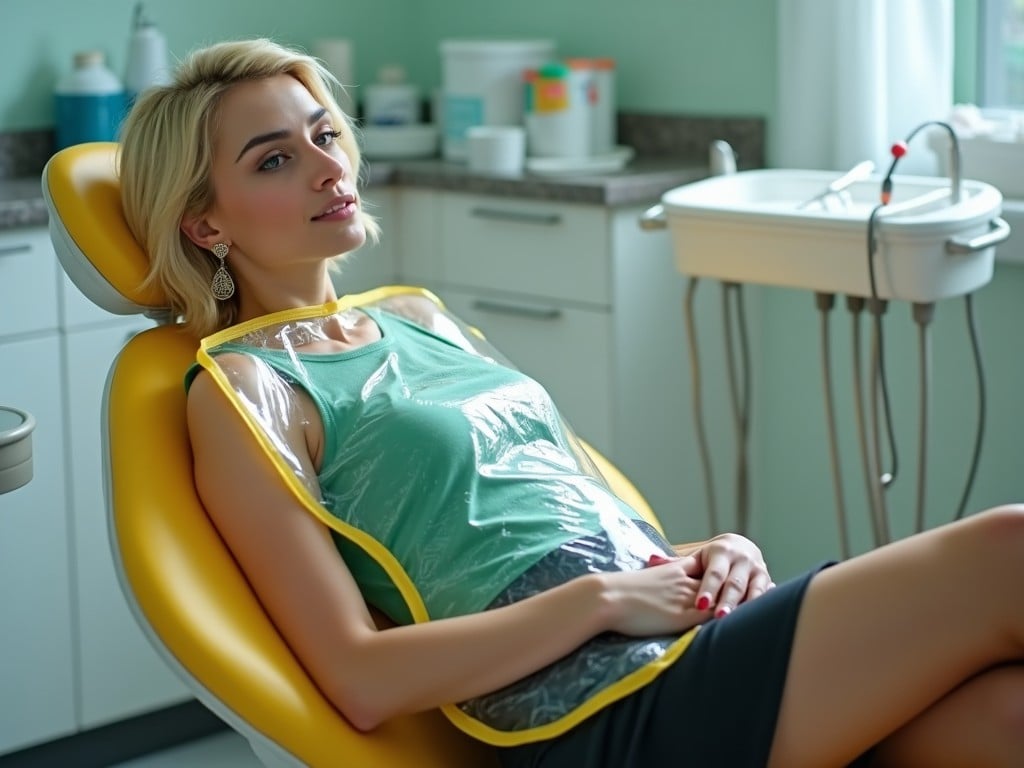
(642, 181)
(21, 203)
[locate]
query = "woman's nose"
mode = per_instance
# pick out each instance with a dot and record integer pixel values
(332, 168)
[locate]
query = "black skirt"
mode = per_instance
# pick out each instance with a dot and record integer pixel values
(717, 705)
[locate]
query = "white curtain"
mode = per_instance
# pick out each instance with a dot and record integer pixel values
(854, 76)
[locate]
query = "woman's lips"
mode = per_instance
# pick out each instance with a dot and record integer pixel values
(338, 212)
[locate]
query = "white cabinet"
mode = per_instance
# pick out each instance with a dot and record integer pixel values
(583, 300)
(120, 674)
(36, 668)
(71, 655)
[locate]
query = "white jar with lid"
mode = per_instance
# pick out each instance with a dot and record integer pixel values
(482, 84)
(90, 102)
(391, 100)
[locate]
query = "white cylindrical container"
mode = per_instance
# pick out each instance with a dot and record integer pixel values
(482, 84)
(147, 57)
(497, 149)
(90, 102)
(391, 100)
(558, 110)
(337, 56)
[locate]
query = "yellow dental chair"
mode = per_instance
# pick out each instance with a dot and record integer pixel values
(180, 580)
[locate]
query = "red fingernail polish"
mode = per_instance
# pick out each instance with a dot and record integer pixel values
(656, 560)
(722, 612)
(703, 603)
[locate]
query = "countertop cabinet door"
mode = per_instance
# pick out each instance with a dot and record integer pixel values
(121, 675)
(36, 672)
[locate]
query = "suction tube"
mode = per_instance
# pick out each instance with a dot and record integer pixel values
(697, 402)
(880, 392)
(825, 302)
(923, 315)
(979, 436)
(855, 304)
(739, 390)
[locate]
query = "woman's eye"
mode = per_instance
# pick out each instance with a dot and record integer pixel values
(272, 162)
(327, 137)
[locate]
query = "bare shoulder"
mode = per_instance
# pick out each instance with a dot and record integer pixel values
(413, 306)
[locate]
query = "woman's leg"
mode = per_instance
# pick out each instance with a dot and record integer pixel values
(885, 636)
(978, 725)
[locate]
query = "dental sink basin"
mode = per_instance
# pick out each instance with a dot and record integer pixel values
(775, 227)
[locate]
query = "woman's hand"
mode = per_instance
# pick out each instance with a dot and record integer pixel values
(657, 600)
(731, 570)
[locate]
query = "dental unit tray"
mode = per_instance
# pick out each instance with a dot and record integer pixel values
(757, 227)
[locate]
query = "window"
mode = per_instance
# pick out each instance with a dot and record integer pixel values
(1001, 53)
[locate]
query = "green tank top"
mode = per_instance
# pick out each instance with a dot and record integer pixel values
(459, 466)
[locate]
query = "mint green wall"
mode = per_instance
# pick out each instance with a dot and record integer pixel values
(702, 56)
(695, 56)
(37, 40)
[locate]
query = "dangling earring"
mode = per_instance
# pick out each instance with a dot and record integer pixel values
(222, 286)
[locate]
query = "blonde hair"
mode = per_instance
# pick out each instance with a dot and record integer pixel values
(165, 160)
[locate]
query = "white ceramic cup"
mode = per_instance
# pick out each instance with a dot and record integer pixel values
(497, 149)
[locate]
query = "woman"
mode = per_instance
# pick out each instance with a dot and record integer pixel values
(239, 179)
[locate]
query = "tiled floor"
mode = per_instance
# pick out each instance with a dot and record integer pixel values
(223, 750)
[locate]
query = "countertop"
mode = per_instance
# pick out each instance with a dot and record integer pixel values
(21, 203)
(641, 182)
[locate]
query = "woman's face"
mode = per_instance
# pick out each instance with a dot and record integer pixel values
(284, 189)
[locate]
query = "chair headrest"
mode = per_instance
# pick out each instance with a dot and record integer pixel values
(89, 231)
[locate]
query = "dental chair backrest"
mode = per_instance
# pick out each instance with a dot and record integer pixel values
(180, 580)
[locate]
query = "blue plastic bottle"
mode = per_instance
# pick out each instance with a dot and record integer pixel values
(90, 102)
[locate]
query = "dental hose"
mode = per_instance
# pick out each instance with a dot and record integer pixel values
(879, 390)
(979, 435)
(825, 302)
(855, 304)
(696, 401)
(923, 315)
(740, 398)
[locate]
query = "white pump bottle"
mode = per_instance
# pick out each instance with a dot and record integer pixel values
(147, 56)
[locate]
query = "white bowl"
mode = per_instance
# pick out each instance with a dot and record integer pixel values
(393, 142)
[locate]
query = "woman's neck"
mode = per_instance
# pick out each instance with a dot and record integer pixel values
(263, 297)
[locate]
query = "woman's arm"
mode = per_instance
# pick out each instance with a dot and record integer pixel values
(311, 596)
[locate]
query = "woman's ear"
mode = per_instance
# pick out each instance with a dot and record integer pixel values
(200, 231)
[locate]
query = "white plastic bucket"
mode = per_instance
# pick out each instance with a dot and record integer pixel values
(482, 84)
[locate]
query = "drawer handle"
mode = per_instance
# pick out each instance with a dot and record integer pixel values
(11, 250)
(519, 310)
(521, 217)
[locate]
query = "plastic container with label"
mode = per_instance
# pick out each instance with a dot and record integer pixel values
(90, 102)
(559, 106)
(482, 84)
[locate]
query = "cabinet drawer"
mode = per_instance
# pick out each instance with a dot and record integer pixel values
(566, 349)
(552, 250)
(28, 281)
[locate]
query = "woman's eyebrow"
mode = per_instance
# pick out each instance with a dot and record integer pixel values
(263, 138)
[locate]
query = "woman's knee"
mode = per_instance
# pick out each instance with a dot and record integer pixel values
(997, 534)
